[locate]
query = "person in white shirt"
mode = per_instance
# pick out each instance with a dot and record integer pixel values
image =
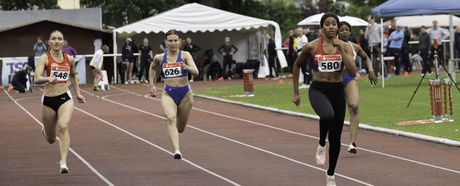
(96, 66)
(437, 34)
(301, 41)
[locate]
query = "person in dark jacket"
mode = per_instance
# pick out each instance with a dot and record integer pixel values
(19, 81)
(424, 49)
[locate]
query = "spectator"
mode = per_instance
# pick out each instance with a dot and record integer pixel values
(405, 61)
(40, 47)
(68, 49)
(145, 58)
(424, 48)
(457, 45)
(127, 56)
(372, 35)
(212, 69)
(227, 50)
(271, 51)
(437, 34)
(96, 66)
(396, 40)
(19, 81)
(192, 48)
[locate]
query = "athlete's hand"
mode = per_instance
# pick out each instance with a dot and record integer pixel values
(337, 43)
(372, 78)
(52, 80)
(296, 100)
(81, 98)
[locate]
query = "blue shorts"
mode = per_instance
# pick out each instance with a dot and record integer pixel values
(177, 93)
(347, 78)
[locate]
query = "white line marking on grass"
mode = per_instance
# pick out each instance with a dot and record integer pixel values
(238, 142)
(305, 135)
(156, 146)
(70, 149)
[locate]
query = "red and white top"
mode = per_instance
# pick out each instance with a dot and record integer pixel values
(327, 62)
(58, 69)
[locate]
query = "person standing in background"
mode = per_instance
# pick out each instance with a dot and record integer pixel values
(227, 50)
(39, 47)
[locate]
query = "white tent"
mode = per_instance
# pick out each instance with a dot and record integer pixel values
(425, 20)
(207, 26)
(315, 20)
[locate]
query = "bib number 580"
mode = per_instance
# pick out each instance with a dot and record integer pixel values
(331, 66)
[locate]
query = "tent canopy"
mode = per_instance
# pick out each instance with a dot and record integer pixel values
(315, 20)
(406, 7)
(425, 20)
(194, 17)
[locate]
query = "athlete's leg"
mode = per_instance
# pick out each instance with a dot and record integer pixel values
(352, 95)
(49, 118)
(183, 112)
(170, 111)
(97, 77)
(337, 98)
(64, 115)
(130, 71)
(323, 108)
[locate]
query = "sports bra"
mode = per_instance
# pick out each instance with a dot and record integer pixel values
(172, 70)
(326, 62)
(353, 48)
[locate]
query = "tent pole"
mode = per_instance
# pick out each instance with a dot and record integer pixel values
(115, 49)
(382, 62)
(451, 62)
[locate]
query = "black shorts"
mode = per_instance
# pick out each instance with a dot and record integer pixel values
(56, 101)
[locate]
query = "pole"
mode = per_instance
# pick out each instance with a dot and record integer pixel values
(115, 50)
(382, 62)
(451, 62)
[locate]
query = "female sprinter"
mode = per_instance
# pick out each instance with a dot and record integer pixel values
(351, 87)
(177, 97)
(326, 93)
(57, 99)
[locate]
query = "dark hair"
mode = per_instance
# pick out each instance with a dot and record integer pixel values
(326, 15)
(172, 32)
(345, 23)
(423, 26)
(56, 31)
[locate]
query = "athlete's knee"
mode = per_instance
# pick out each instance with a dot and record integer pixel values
(334, 139)
(354, 109)
(63, 127)
(327, 116)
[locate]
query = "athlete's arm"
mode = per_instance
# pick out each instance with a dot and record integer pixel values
(302, 58)
(189, 64)
(347, 55)
(39, 78)
(74, 81)
(370, 68)
(152, 73)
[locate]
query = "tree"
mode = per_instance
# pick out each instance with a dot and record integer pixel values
(28, 4)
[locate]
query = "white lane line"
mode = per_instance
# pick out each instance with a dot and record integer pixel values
(238, 142)
(305, 135)
(158, 147)
(102, 177)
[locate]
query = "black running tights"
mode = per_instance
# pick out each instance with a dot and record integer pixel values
(328, 101)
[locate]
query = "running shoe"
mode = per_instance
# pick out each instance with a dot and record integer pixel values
(352, 148)
(320, 155)
(177, 156)
(330, 180)
(63, 169)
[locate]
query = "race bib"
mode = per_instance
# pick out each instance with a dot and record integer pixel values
(172, 70)
(329, 63)
(60, 73)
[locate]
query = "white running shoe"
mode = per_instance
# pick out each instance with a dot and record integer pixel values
(304, 86)
(352, 148)
(320, 155)
(330, 180)
(63, 169)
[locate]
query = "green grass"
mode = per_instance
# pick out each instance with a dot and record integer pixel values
(382, 107)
